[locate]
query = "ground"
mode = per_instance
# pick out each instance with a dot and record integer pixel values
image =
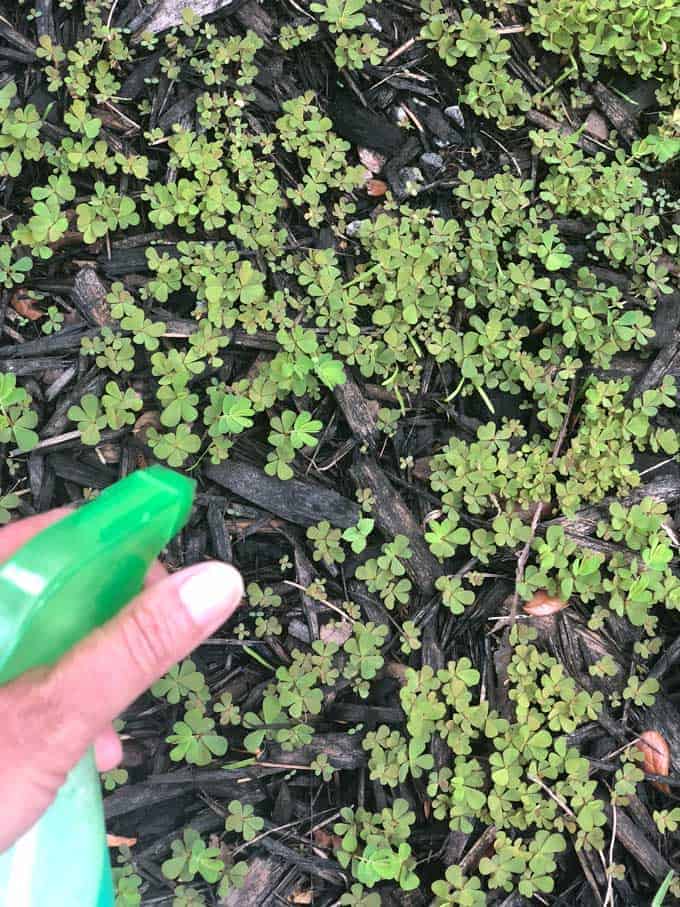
(396, 283)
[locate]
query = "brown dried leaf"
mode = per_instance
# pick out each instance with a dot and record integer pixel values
(372, 160)
(422, 469)
(396, 670)
(657, 756)
(376, 188)
(301, 896)
(325, 840)
(150, 419)
(543, 605)
(337, 631)
(26, 306)
(118, 841)
(596, 125)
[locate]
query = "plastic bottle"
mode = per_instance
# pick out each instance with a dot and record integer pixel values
(69, 579)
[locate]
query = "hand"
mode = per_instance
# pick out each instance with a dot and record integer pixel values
(51, 716)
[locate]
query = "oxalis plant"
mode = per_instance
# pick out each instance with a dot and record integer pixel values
(269, 286)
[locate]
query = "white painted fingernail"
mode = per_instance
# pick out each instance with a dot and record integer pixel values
(211, 592)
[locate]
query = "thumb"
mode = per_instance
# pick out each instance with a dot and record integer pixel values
(102, 675)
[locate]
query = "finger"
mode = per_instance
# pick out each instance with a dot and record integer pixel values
(108, 750)
(124, 657)
(155, 574)
(15, 535)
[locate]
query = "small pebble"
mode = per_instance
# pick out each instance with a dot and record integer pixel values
(456, 114)
(432, 164)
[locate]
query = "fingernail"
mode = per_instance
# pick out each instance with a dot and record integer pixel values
(211, 593)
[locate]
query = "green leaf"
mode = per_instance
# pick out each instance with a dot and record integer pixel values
(555, 261)
(236, 415)
(329, 371)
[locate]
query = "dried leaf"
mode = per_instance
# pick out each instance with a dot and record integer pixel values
(150, 419)
(596, 125)
(543, 605)
(657, 756)
(338, 632)
(372, 160)
(396, 670)
(118, 841)
(422, 469)
(376, 187)
(26, 306)
(325, 840)
(301, 896)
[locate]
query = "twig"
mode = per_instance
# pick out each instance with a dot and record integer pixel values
(524, 556)
(501, 146)
(289, 582)
(110, 19)
(609, 894)
(51, 442)
(565, 808)
(553, 796)
(412, 117)
(407, 45)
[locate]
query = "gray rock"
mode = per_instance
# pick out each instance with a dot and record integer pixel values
(456, 114)
(432, 164)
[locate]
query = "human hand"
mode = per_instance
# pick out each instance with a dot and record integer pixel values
(51, 716)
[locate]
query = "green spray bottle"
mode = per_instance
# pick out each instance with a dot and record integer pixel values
(67, 580)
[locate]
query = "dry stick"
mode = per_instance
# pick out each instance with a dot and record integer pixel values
(524, 556)
(289, 582)
(503, 148)
(471, 859)
(609, 895)
(407, 45)
(565, 808)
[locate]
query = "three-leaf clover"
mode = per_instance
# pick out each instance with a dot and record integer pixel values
(181, 680)
(237, 413)
(90, 417)
(242, 819)
(174, 447)
(380, 863)
(194, 739)
(191, 857)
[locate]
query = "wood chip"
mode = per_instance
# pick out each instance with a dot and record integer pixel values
(168, 14)
(301, 502)
(422, 469)
(393, 517)
(89, 296)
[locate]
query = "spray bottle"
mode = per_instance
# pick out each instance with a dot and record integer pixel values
(67, 580)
